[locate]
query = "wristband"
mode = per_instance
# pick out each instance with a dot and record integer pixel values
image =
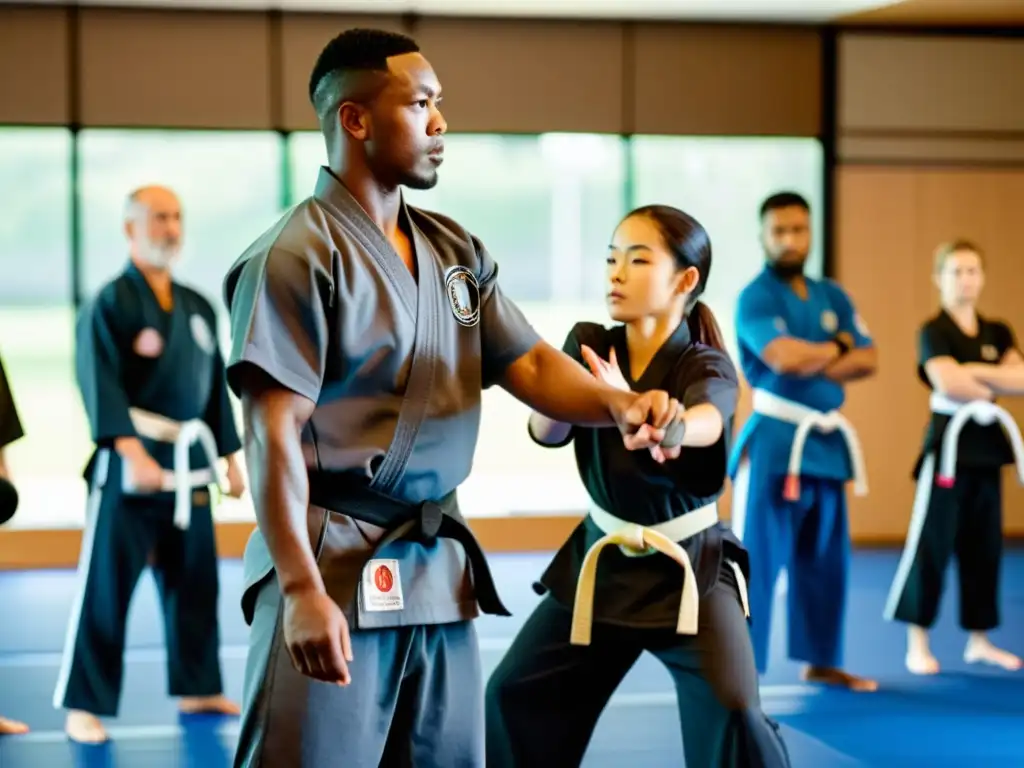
(843, 346)
(674, 434)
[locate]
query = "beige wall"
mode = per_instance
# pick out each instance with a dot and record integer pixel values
(935, 154)
(889, 222)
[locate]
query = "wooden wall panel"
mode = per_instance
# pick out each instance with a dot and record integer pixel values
(930, 99)
(917, 151)
(34, 44)
(175, 69)
(932, 84)
(236, 70)
(726, 81)
(889, 221)
(525, 76)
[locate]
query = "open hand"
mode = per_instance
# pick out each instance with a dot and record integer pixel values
(608, 370)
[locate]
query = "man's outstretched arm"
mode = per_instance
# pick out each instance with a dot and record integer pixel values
(556, 386)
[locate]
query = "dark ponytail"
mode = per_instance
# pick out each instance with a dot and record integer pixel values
(704, 327)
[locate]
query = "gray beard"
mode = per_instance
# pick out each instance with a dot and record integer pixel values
(161, 258)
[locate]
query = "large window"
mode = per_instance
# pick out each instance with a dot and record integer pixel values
(543, 205)
(546, 206)
(722, 182)
(36, 320)
(230, 186)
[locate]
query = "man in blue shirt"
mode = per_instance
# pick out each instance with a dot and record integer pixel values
(800, 341)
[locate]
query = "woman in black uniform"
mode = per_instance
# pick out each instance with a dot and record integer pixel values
(685, 602)
(966, 360)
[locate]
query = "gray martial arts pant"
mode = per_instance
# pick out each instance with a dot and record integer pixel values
(416, 699)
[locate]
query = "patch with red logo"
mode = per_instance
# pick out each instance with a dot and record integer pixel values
(383, 578)
(382, 587)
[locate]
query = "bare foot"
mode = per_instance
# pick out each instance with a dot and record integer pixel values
(208, 705)
(837, 677)
(980, 650)
(85, 728)
(11, 727)
(920, 660)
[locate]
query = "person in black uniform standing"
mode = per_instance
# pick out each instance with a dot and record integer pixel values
(676, 583)
(151, 377)
(967, 361)
(10, 431)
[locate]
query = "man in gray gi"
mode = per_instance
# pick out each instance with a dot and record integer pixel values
(363, 333)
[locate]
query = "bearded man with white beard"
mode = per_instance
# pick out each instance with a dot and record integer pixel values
(152, 381)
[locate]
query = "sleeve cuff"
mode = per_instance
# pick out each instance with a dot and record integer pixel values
(497, 364)
(229, 447)
(108, 436)
(283, 376)
(561, 444)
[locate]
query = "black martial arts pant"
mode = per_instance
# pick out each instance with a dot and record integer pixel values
(123, 535)
(545, 697)
(967, 520)
(415, 699)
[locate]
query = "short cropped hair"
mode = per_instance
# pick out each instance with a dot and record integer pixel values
(947, 249)
(784, 200)
(353, 51)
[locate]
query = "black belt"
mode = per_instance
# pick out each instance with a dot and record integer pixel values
(349, 495)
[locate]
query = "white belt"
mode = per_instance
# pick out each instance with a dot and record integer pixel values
(981, 411)
(640, 541)
(769, 404)
(182, 479)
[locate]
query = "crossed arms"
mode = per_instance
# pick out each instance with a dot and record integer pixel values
(977, 381)
(762, 330)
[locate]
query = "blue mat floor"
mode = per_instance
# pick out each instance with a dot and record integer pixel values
(968, 716)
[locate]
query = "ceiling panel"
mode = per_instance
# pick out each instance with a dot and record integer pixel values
(943, 12)
(805, 11)
(881, 12)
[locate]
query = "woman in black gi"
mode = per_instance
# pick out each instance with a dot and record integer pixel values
(966, 360)
(686, 603)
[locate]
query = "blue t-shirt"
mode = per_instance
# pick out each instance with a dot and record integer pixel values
(767, 310)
